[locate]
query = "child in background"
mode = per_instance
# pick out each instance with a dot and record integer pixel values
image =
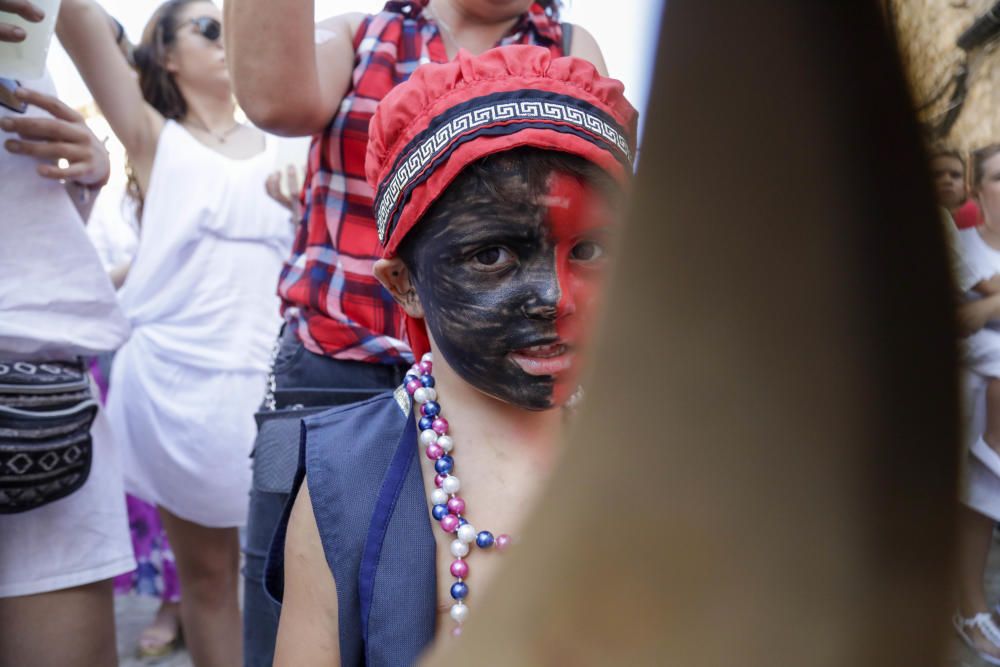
(949, 172)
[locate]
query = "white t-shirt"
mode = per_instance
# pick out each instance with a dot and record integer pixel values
(55, 298)
(56, 301)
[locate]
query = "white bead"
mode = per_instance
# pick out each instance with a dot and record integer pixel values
(428, 356)
(439, 497)
(450, 484)
(467, 533)
(428, 437)
(459, 549)
(459, 612)
(420, 395)
(432, 394)
(446, 443)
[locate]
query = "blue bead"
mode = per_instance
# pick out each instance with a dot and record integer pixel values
(410, 377)
(440, 511)
(431, 409)
(427, 380)
(459, 590)
(484, 540)
(462, 521)
(444, 464)
(426, 423)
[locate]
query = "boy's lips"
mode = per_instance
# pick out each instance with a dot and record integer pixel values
(549, 359)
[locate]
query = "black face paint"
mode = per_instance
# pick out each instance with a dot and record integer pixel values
(488, 275)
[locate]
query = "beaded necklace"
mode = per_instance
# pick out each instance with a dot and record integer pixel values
(448, 508)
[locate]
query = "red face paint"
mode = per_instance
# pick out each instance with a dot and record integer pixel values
(578, 223)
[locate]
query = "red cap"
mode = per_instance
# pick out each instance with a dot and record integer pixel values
(447, 116)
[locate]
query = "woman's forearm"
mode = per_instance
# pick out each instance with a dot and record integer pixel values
(974, 315)
(271, 53)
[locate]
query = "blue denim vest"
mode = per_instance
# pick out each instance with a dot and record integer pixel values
(369, 501)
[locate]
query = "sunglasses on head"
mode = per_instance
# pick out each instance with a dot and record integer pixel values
(207, 27)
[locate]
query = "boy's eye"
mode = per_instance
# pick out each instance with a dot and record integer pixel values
(494, 258)
(587, 251)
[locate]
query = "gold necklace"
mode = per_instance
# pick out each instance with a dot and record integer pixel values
(218, 136)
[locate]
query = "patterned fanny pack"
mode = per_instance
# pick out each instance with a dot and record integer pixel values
(46, 411)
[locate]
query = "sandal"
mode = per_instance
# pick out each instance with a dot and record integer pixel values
(154, 642)
(983, 622)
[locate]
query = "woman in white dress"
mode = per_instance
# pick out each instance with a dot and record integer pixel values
(199, 295)
(978, 278)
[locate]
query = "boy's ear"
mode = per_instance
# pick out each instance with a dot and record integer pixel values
(394, 275)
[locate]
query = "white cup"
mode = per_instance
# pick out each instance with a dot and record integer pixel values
(26, 59)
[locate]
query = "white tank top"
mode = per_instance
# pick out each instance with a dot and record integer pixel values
(202, 287)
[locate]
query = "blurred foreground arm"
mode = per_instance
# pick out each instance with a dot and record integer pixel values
(288, 74)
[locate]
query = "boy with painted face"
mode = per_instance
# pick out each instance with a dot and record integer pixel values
(497, 179)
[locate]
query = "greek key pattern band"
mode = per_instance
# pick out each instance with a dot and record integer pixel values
(502, 112)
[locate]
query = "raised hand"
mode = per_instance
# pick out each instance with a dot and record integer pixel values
(274, 189)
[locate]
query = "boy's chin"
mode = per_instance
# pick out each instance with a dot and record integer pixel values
(536, 396)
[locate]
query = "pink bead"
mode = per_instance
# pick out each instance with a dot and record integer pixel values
(434, 452)
(460, 569)
(456, 505)
(438, 479)
(503, 541)
(412, 386)
(440, 425)
(449, 523)
(425, 366)
(456, 631)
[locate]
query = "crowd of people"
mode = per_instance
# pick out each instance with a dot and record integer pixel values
(294, 399)
(315, 384)
(969, 193)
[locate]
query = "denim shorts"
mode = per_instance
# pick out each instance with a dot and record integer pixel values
(304, 383)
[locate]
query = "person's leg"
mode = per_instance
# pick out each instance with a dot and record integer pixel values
(975, 535)
(73, 627)
(208, 566)
(161, 636)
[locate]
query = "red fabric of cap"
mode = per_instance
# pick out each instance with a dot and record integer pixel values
(447, 116)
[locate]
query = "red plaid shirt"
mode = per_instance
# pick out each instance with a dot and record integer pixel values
(329, 296)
